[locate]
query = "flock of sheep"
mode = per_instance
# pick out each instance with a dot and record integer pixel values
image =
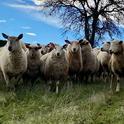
(60, 65)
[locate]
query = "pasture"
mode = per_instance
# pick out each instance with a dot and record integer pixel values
(82, 104)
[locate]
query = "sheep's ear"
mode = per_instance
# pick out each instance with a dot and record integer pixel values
(108, 42)
(80, 41)
(101, 49)
(120, 42)
(67, 41)
(87, 42)
(2, 43)
(64, 46)
(38, 44)
(5, 36)
(39, 47)
(20, 36)
(28, 46)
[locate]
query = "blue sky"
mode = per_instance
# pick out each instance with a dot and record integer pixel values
(25, 16)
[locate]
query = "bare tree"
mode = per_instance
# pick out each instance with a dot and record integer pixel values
(94, 17)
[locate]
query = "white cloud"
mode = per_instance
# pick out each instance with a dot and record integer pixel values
(24, 6)
(36, 13)
(31, 34)
(26, 27)
(21, 1)
(39, 2)
(3, 21)
(51, 20)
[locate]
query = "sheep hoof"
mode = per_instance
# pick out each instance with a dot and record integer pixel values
(117, 90)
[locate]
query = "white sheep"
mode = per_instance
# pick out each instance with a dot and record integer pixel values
(13, 58)
(33, 67)
(106, 46)
(117, 63)
(96, 50)
(74, 58)
(104, 58)
(55, 66)
(43, 49)
(90, 62)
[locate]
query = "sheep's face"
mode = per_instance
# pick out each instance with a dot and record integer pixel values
(106, 46)
(33, 51)
(116, 47)
(73, 46)
(43, 50)
(49, 47)
(85, 45)
(58, 52)
(13, 42)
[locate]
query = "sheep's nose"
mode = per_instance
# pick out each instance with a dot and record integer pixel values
(74, 49)
(101, 49)
(10, 48)
(42, 52)
(110, 51)
(58, 54)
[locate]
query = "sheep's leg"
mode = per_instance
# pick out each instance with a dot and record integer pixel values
(112, 84)
(111, 81)
(50, 87)
(57, 87)
(86, 78)
(69, 84)
(105, 74)
(92, 78)
(118, 84)
(6, 78)
(18, 79)
(9, 84)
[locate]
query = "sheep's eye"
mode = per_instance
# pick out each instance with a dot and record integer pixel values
(36, 49)
(82, 44)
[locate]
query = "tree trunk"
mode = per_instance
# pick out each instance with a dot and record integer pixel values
(94, 26)
(86, 29)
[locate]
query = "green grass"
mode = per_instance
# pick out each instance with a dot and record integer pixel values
(82, 104)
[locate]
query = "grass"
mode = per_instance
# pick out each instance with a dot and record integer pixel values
(82, 104)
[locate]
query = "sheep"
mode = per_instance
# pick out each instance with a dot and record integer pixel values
(13, 59)
(90, 62)
(104, 58)
(50, 46)
(43, 49)
(3, 43)
(106, 46)
(117, 63)
(33, 67)
(74, 58)
(55, 67)
(96, 50)
(47, 48)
